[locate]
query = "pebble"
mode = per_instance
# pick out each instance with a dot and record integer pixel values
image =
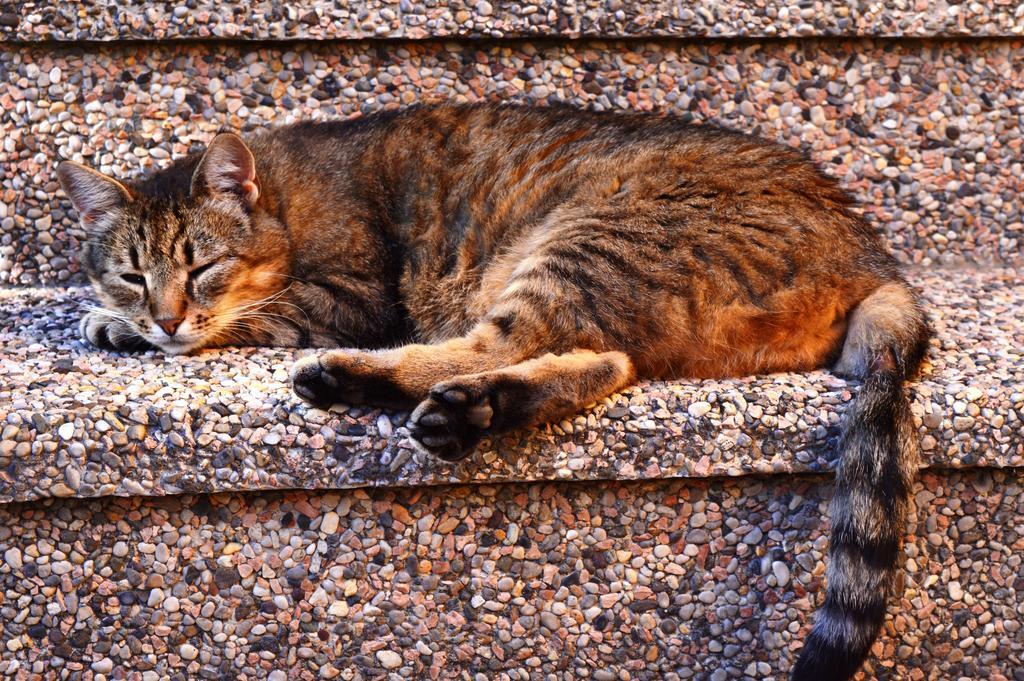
(102, 666)
(12, 558)
(781, 571)
(389, 659)
(956, 592)
(329, 525)
(698, 409)
(753, 538)
(296, 575)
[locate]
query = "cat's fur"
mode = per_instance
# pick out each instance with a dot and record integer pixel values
(500, 267)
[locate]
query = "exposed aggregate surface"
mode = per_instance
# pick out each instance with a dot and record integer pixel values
(316, 19)
(83, 422)
(927, 135)
(581, 573)
(698, 579)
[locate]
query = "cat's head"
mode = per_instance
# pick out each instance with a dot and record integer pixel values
(188, 257)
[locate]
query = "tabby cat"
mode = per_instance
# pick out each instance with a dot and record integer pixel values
(500, 267)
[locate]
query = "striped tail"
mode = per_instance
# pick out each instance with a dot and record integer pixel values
(878, 461)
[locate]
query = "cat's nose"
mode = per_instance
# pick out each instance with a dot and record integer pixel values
(169, 324)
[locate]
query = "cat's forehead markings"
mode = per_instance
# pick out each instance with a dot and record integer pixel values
(179, 231)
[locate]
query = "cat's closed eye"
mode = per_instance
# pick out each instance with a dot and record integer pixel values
(197, 272)
(134, 279)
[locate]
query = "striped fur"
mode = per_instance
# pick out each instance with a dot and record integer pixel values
(878, 462)
(495, 267)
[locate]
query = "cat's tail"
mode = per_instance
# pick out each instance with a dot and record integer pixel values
(878, 459)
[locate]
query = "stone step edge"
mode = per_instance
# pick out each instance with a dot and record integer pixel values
(939, 469)
(567, 19)
(362, 462)
(441, 474)
(540, 39)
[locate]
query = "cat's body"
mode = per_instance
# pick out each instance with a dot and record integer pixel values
(513, 265)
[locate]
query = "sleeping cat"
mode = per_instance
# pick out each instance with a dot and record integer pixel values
(500, 267)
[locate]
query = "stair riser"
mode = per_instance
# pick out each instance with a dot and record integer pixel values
(664, 581)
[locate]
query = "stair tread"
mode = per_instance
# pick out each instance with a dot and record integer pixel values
(82, 422)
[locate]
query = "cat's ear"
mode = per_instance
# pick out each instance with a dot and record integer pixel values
(95, 196)
(227, 168)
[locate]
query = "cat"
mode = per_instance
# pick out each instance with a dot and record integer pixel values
(499, 267)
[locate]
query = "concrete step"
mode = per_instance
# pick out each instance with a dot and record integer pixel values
(368, 19)
(82, 422)
(925, 134)
(674, 531)
(672, 579)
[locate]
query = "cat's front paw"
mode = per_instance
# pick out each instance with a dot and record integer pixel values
(451, 422)
(348, 376)
(108, 333)
(313, 383)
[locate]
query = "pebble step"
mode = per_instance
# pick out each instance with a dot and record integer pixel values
(925, 134)
(671, 579)
(82, 422)
(189, 518)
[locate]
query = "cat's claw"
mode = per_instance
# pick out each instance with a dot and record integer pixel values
(451, 422)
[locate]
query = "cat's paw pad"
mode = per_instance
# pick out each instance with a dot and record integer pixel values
(108, 333)
(315, 383)
(451, 422)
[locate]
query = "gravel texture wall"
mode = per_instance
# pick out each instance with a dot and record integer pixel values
(926, 134)
(318, 19)
(664, 580)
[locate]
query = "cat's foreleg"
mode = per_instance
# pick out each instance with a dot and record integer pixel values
(545, 305)
(402, 377)
(460, 411)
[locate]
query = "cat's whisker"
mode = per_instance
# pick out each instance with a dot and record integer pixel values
(260, 304)
(245, 331)
(270, 315)
(270, 300)
(250, 325)
(232, 335)
(258, 311)
(248, 315)
(110, 314)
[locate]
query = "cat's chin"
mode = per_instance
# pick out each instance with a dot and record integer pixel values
(177, 348)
